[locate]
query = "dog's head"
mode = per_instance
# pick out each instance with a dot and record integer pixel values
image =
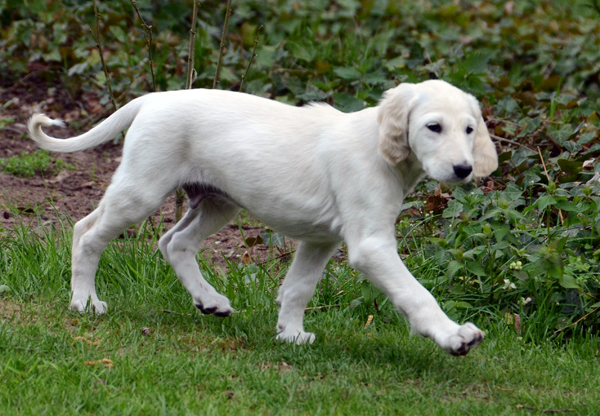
(441, 125)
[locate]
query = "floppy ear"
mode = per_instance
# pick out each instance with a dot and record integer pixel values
(484, 151)
(394, 109)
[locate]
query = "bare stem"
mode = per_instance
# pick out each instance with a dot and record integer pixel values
(251, 57)
(191, 48)
(222, 44)
(96, 36)
(148, 35)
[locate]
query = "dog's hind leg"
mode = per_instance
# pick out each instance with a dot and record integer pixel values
(297, 289)
(180, 245)
(119, 209)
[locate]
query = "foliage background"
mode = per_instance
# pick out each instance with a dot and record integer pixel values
(523, 246)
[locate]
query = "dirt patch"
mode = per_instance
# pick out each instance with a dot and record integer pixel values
(8, 310)
(74, 193)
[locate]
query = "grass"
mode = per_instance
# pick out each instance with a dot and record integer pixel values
(26, 165)
(181, 362)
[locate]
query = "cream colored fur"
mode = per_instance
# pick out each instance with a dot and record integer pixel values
(313, 173)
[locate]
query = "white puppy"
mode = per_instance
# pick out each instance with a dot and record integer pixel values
(313, 173)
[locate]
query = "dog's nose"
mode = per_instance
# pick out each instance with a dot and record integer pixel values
(462, 171)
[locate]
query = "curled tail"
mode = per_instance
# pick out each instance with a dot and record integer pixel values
(102, 133)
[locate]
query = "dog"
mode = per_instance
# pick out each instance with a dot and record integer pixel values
(313, 173)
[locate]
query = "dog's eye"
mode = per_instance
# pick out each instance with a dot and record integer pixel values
(434, 127)
(469, 130)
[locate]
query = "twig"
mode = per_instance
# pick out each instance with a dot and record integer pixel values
(191, 48)
(251, 57)
(502, 139)
(176, 313)
(287, 253)
(543, 164)
(99, 46)
(222, 44)
(576, 322)
(318, 308)
(148, 35)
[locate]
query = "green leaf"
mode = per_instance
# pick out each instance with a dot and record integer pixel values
(567, 206)
(565, 99)
(302, 52)
(570, 166)
(348, 73)
(396, 63)
(544, 201)
(462, 305)
(118, 33)
(454, 208)
(561, 133)
(568, 282)
(476, 268)
(454, 267)
(586, 137)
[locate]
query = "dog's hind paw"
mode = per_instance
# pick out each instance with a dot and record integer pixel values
(296, 337)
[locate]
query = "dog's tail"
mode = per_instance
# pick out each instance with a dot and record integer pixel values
(102, 133)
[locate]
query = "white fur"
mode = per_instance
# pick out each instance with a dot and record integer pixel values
(312, 173)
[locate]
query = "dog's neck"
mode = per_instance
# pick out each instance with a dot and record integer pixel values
(409, 173)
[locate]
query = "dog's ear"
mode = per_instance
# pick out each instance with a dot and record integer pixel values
(394, 110)
(484, 151)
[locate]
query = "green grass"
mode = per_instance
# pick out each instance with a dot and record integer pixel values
(26, 165)
(188, 363)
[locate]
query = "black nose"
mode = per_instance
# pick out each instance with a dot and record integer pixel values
(462, 171)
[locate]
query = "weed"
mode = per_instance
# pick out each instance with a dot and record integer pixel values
(26, 165)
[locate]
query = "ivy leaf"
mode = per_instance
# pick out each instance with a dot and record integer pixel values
(570, 166)
(561, 133)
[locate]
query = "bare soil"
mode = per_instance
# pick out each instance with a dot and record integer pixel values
(73, 194)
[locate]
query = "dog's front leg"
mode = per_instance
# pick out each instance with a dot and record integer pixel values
(378, 258)
(297, 289)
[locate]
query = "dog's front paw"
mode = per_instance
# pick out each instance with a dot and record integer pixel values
(296, 337)
(94, 305)
(215, 304)
(463, 340)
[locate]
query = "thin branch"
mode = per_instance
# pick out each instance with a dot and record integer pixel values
(319, 308)
(502, 139)
(222, 44)
(577, 321)
(191, 48)
(148, 35)
(99, 46)
(543, 164)
(251, 57)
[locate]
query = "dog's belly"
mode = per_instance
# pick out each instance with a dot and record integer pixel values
(300, 222)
